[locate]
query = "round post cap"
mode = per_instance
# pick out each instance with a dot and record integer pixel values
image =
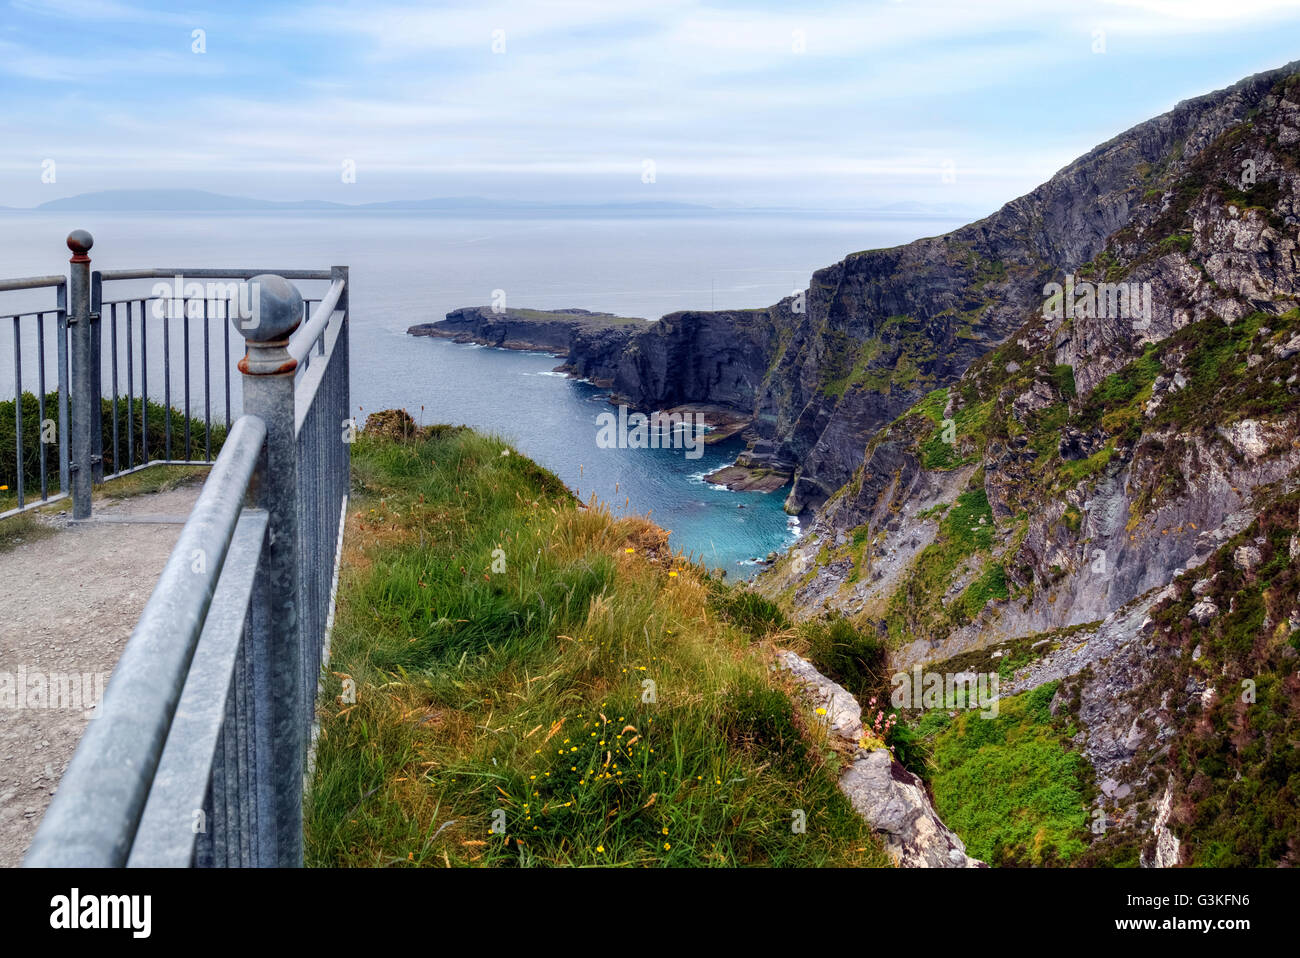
(269, 310)
(80, 242)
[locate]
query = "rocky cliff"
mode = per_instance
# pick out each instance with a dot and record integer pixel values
(1106, 499)
(882, 328)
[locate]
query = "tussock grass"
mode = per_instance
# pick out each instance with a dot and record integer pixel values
(525, 662)
(20, 528)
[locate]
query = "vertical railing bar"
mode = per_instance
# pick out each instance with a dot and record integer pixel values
(207, 386)
(167, 380)
(61, 349)
(241, 754)
(144, 381)
(117, 459)
(225, 329)
(250, 741)
(97, 374)
(227, 756)
(185, 307)
(216, 822)
(40, 398)
(203, 856)
(18, 407)
(130, 390)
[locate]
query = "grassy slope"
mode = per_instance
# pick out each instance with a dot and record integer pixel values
(521, 690)
(1011, 786)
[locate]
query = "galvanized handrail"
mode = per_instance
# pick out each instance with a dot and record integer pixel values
(198, 751)
(307, 336)
(211, 273)
(92, 820)
(32, 282)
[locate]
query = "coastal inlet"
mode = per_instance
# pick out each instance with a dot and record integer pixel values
(730, 517)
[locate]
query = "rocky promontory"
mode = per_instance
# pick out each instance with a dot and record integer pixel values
(535, 330)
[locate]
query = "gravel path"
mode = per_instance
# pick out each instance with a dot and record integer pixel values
(68, 604)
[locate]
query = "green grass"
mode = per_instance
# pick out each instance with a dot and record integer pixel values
(1008, 785)
(152, 480)
(747, 610)
(509, 686)
(992, 584)
(1063, 379)
(914, 609)
(22, 528)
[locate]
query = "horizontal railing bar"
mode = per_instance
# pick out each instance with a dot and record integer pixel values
(93, 818)
(300, 274)
(166, 836)
(45, 282)
(33, 313)
(34, 504)
(306, 336)
(37, 503)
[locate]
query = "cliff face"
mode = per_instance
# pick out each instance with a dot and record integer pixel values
(882, 328)
(1108, 497)
(687, 357)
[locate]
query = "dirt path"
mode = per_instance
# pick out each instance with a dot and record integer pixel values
(68, 604)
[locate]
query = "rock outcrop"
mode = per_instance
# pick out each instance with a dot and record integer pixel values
(888, 796)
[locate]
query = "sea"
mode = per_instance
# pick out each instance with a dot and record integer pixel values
(413, 267)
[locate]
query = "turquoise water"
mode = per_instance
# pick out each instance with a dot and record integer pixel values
(409, 268)
(553, 419)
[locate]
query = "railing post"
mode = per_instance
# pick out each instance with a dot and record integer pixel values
(268, 385)
(341, 273)
(97, 376)
(83, 378)
(65, 419)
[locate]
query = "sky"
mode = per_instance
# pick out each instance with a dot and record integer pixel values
(959, 104)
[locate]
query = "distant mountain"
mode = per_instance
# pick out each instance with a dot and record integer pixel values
(158, 201)
(169, 200)
(140, 201)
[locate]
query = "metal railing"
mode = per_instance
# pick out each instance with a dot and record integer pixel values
(161, 332)
(181, 306)
(44, 323)
(198, 751)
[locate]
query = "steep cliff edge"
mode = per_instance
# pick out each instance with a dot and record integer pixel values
(874, 333)
(1108, 500)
